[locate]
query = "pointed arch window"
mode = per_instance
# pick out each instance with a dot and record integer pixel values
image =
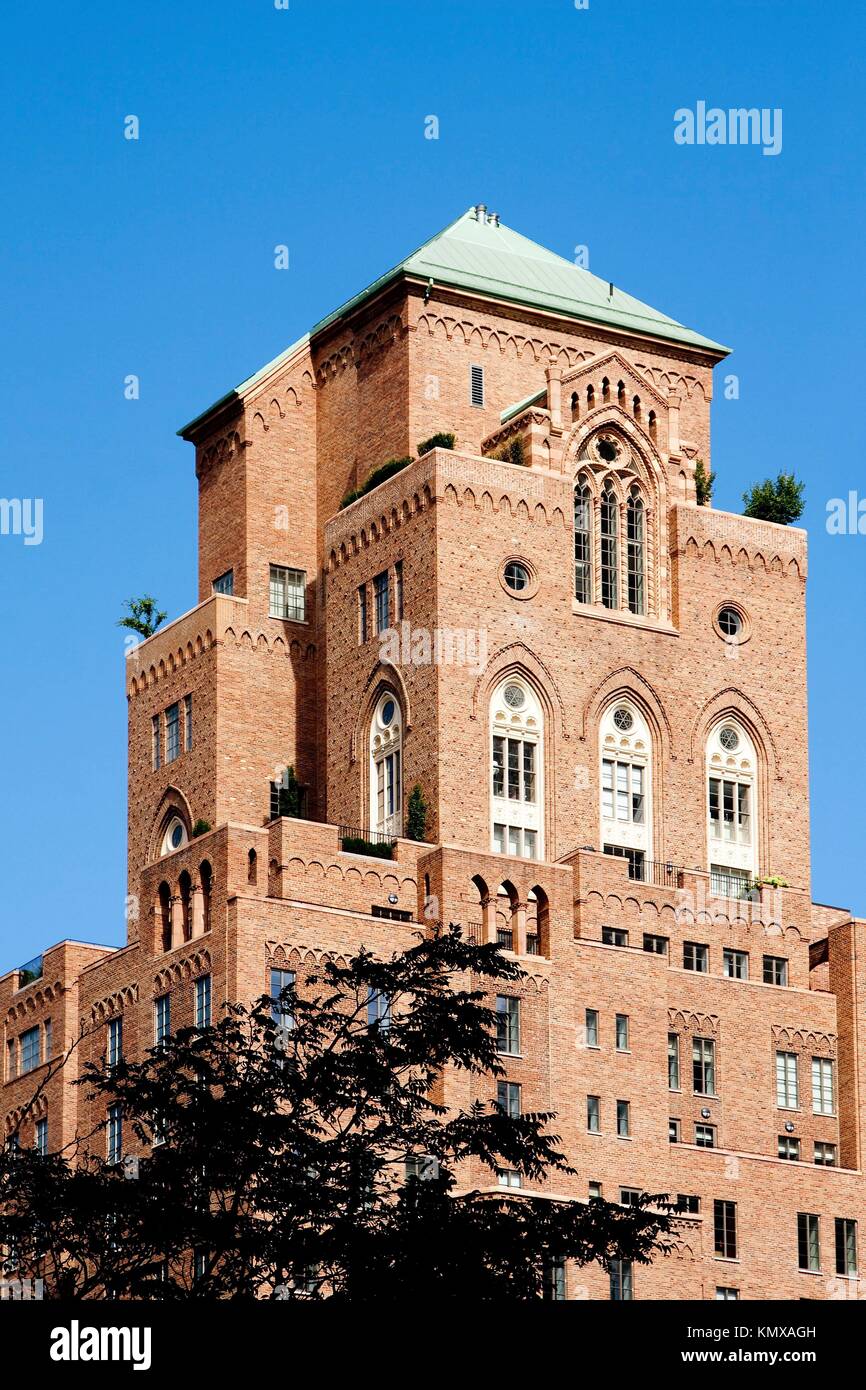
(635, 544)
(386, 773)
(731, 808)
(583, 541)
(517, 730)
(626, 768)
(609, 547)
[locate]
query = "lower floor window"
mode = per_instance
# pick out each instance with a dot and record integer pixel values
(516, 841)
(621, 1281)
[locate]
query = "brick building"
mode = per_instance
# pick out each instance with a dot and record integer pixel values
(600, 688)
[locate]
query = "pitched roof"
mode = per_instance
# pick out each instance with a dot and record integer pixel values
(477, 254)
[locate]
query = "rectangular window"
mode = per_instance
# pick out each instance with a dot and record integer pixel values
(825, 1155)
(476, 385)
(688, 1204)
(592, 1027)
(656, 945)
(614, 936)
(554, 1281)
(202, 1002)
(507, 1024)
(30, 1050)
(823, 1089)
(789, 1148)
(281, 1008)
(787, 1088)
(846, 1246)
(673, 1062)
(508, 1098)
(381, 601)
(41, 1138)
(378, 1009)
(398, 590)
(726, 1295)
(622, 791)
(673, 1131)
(498, 766)
(808, 1241)
(115, 1041)
(729, 883)
(507, 1177)
(623, 1118)
(115, 1134)
(363, 630)
(187, 723)
(288, 593)
(172, 733)
(621, 1281)
(735, 964)
(725, 1229)
(703, 1066)
(225, 584)
(162, 1019)
(775, 970)
(156, 743)
(593, 1115)
(629, 1196)
(595, 1190)
(705, 1136)
(696, 957)
(622, 1032)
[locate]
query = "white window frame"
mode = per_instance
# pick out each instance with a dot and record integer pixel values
(516, 753)
(284, 585)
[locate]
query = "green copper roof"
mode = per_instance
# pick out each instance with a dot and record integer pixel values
(485, 258)
(494, 260)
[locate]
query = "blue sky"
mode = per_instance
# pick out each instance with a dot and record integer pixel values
(305, 126)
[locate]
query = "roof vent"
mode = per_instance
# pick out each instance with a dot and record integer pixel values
(493, 219)
(480, 212)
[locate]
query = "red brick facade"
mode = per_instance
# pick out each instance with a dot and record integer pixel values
(621, 412)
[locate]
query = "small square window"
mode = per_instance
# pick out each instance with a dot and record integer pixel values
(775, 970)
(507, 1177)
(789, 1148)
(508, 1098)
(656, 945)
(614, 936)
(696, 957)
(735, 964)
(595, 1191)
(225, 584)
(629, 1196)
(705, 1136)
(825, 1155)
(688, 1204)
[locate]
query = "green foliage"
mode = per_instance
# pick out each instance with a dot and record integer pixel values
(773, 881)
(356, 844)
(416, 814)
(286, 1127)
(143, 616)
(512, 452)
(289, 795)
(379, 475)
(442, 440)
(201, 827)
(704, 481)
(780, 500)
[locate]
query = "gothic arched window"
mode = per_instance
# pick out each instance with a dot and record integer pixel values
(609, 547)
(626, 767)
(635, 548)
(516, 794)
(386, 777)
(732, 770)
(583, 541)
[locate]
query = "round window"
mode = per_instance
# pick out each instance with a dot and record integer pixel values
(176, 836)
(607, 450)
(516, 576)
(730, 623)
(729, 739)
(623, 719)
(515, 696)
(388, 710)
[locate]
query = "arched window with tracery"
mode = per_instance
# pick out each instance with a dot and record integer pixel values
(609, 547)
(635, 550)
(732, 771)
(626, 774)
(583, 541)
(516, 800)
(386, 774)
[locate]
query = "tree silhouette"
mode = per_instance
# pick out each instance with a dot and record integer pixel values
(300, 1149)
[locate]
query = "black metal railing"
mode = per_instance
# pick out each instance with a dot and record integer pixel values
(475, 933)
(505, 938)
(732, 885)
(642, 870)
(532, 944)
(355, 840)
